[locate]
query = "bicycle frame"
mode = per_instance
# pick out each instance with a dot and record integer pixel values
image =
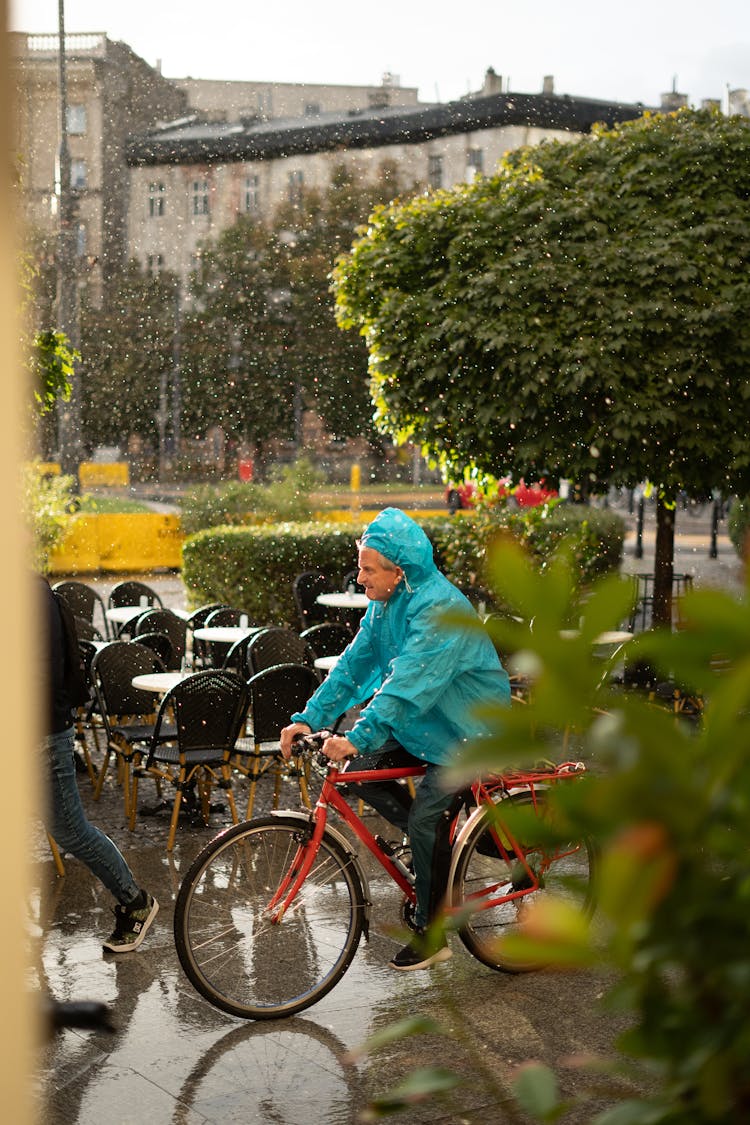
(482, 795)
(330, 797)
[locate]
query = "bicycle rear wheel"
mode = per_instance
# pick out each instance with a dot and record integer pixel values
(483, 875)
(234, 952)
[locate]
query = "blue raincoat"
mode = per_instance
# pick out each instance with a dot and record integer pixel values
(423, 678)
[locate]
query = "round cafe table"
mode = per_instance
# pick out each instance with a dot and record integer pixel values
(344, 600)
(325, 663)
(225, 634)
(119, 614)
(159, 682)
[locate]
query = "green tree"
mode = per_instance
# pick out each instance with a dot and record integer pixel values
(261, 342)
(584, 313)
(127, 346)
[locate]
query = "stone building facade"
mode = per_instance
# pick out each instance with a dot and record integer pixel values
(191, 180)
(111, 95)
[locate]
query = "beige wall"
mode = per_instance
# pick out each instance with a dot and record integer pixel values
(229, 101)
(20, 1007)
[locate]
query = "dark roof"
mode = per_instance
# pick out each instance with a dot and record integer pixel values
(190, 142)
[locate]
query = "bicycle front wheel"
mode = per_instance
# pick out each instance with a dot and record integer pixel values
(485, 880)
(236, 951)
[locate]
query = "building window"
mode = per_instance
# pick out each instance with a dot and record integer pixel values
(435, 171)
(200, 197)
(155, 264)
(81, 240)
(474, 163)
(78, 174)
(76, 119)
(295, 184)
(251, 198)
(156, 197)
(312, 109)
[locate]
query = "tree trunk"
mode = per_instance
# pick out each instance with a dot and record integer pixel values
(663, 563)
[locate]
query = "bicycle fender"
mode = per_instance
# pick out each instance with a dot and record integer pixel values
(463, 835)
(339, 838)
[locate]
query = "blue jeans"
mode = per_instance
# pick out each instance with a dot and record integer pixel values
(419, 819)
(66, 822)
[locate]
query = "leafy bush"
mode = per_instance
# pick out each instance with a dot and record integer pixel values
(253, 568)
(48, 505)
(668, 803)
(738, 526)
(593, 536)
(287, 497)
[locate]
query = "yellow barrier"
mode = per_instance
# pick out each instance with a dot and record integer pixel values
(108, 473)
(125, 543)
(46, 468)
(137, 542)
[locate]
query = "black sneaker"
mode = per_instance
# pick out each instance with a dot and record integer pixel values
(131, 926)
(420, 953)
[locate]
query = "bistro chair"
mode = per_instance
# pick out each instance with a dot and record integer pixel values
(349, 582)
(172, 625)
(327, 639)
(305, 589)
(196, 620)
(275, 694)
(192, 742)
(130, 592)
(85, 602)
(86, 630)
(216, 652)
(277, 645)
(86, 718)
(161, 645)
(127, 713)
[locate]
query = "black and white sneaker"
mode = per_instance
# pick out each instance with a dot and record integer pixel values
(421, 953)
(131, 926)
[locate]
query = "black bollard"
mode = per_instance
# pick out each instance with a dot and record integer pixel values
(715, 515)
(639, 530)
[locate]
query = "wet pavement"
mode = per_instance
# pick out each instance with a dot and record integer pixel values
(175, 1059)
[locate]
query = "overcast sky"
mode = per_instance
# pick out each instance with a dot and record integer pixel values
(593, 48)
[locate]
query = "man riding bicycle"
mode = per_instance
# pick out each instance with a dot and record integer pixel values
(419, 683)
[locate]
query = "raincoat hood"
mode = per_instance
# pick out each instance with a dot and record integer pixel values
(399, 539)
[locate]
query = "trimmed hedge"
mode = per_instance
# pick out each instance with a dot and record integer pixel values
(252, 568)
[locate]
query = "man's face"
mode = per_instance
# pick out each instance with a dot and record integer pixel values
(379, 583)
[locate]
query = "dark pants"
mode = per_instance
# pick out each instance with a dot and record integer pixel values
(422, 819)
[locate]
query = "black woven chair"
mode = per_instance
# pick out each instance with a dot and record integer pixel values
(327, 639)
(349, 582)
(127, 713)
(130, 592)
(216, 652)
(305, 589)
(277, 645)
(275, 694)
(86, 603)
(167, 622)
(209, 710)
(86, 718)
(86, 630)
(161, 645)
(195, 621)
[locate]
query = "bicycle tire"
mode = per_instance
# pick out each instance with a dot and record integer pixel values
(479, 866)
(241, 961)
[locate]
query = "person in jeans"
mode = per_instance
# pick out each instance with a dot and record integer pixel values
(419, 682)
(65, 817)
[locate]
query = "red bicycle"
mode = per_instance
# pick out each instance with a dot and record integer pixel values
(269, 915)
